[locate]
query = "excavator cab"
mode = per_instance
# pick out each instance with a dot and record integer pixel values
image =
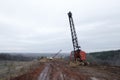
(78, 55)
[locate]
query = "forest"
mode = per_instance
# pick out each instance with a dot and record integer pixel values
(14, 57)
(105, 57)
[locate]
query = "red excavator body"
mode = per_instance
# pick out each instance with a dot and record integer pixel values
(79, 54)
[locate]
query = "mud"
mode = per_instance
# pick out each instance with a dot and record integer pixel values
(31, 75)
(60, 70)
(44, 75)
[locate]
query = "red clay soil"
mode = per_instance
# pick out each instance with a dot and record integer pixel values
(31, 75)
(60, 70)
(54, 70)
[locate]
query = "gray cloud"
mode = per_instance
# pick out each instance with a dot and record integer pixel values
(42, 25)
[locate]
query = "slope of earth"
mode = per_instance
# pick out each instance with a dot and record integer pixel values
(60, 70)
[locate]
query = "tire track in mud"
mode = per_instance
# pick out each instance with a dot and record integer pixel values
(45, 73)
(58, 71)
(50, 72)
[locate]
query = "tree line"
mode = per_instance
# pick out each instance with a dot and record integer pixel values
(105, 57)
(16, 57)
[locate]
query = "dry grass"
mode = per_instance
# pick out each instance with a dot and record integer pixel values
(9, 69)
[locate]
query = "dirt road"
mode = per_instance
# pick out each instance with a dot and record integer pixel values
(57, 70)
(60, 70)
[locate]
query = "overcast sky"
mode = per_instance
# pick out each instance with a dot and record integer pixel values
(42, 25)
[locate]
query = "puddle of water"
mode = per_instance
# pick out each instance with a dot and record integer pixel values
(62, 76)
(44, 73)
(94, 78)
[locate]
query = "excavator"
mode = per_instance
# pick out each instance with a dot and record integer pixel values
(56, 53)
(77, 55)
(51, 58)
(47, 59)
